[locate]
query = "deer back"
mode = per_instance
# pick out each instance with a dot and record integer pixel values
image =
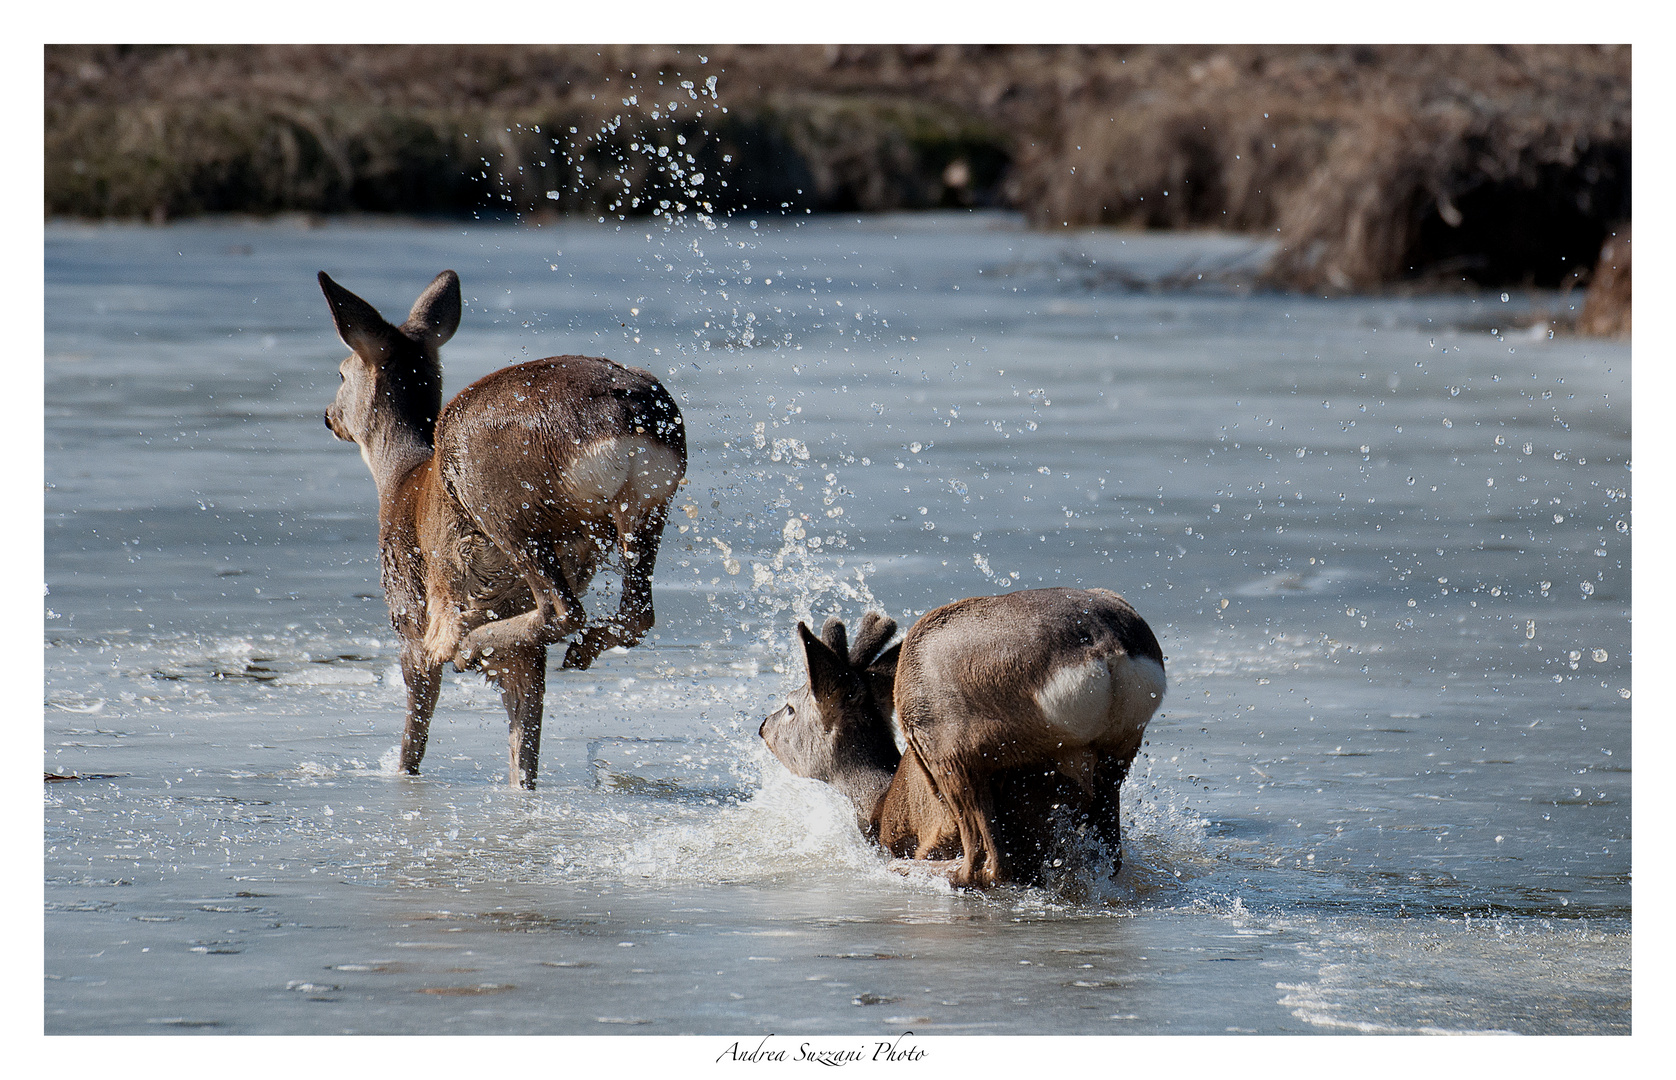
(1028, 677)
(562, 447)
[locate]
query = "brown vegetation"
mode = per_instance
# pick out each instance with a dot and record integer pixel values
(1371, 165)
(1606, 305)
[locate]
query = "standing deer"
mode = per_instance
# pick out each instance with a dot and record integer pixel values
(1010, 707)
(494, 512)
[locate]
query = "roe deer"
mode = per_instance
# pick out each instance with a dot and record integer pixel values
(837, 728)
(495, 511)
(1010, 707)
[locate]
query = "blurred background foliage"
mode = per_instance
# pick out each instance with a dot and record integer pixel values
(1374, 167)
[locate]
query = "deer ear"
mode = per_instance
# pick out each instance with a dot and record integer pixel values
(836, 639)
(436, 314)
(881, 678)
(826, 668)
(358, 323)
(870, 637)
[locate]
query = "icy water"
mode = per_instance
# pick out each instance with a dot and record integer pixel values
(1384, 543)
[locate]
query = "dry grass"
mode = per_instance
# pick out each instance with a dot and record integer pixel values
(1606, 306)
(1373, 166)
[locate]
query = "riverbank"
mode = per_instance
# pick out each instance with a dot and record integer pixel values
(1373, 167)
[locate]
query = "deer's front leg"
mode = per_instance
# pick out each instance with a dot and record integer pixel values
(422, 678)
(520, 671)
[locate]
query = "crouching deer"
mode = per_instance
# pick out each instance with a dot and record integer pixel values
(837, 728)
(1010, 707)
(494, 512)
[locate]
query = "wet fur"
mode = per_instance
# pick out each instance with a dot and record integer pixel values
(1002, 690)
(970, 699)
(495, 511)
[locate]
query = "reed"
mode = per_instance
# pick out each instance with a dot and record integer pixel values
(1372, 166)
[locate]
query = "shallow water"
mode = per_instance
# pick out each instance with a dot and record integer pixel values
(1384, 543)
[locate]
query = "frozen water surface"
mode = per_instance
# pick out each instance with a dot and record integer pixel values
(1383, 541)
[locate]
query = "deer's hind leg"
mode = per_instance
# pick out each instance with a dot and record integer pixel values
(1106, 806)
(423, 677)
(956, 778)
(557, 612)
(635, 615)
(969, 799)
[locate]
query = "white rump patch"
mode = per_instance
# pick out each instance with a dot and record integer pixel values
(1095, 701)
(622, 469)
(1143, 688)
(1077, 700)
(598, 471)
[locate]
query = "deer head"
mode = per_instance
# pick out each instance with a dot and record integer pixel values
(837, 727)
(392, 378)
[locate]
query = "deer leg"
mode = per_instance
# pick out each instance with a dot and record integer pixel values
(940, 844)
(634, 614)
(556, 615)
(1108, 780)
(968, 799)
(521, 673)
(422, 678)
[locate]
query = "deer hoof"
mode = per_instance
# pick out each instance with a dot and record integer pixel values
(968, 875)
(478, 649)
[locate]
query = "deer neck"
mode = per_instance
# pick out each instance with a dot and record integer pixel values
(866, 775)
(865, 786)
(391, 453)
(394, 446)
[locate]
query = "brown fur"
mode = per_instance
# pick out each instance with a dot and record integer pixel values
(986, 769)
(495, 511)
(968, 699)
(912, 821)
